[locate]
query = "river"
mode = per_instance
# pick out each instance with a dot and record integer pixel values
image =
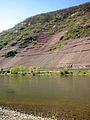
(63, 97)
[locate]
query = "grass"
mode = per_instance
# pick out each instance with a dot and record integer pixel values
(32, 71)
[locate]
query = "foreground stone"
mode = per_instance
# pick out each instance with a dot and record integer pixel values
(6, 114)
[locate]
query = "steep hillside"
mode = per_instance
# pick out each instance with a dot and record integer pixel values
(52, 40)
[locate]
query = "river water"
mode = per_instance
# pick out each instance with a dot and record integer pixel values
(64, 97)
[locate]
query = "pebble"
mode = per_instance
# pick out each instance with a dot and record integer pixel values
(6, 114)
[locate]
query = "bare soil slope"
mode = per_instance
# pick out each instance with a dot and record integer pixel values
(76, 54)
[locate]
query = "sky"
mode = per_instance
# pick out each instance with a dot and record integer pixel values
(15, 11)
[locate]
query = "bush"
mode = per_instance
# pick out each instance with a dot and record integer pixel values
(61, 73)
(11, 53)
(18, 70)
(66, 72)
(73, 32)
(34, 70)
(13, 44)
(25, 42)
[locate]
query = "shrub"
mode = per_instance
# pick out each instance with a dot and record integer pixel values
(73, 32)
(61, 73)
(34, 70)
(11, 53)
(13, 44)
(66, 72)
(14, 70)
(26, 41)
(18, 70)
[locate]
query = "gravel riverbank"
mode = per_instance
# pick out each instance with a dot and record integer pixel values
(6, 114)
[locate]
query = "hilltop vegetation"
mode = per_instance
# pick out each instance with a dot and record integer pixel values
(74, 20)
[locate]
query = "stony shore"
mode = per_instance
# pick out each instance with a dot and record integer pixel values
(7, 114)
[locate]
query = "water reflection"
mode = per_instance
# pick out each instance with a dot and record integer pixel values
(45, 89)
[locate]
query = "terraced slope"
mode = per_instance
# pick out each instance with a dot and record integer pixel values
(50, 41)
(75, 54)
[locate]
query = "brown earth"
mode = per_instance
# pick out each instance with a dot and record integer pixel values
(76, 54)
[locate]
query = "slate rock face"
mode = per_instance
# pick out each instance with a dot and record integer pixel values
(76, 54)
(59, 39)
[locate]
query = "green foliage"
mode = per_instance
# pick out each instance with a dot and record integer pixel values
(2, 72)
(2, 44)
(5, 38)
(14, 70)
(73, 32)
(11, 53)
(34, 70)
(18, 70)
(65, 72)
(62, 73)
(74, 72)
(75, 20)
(25, 42)
(22, 70)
